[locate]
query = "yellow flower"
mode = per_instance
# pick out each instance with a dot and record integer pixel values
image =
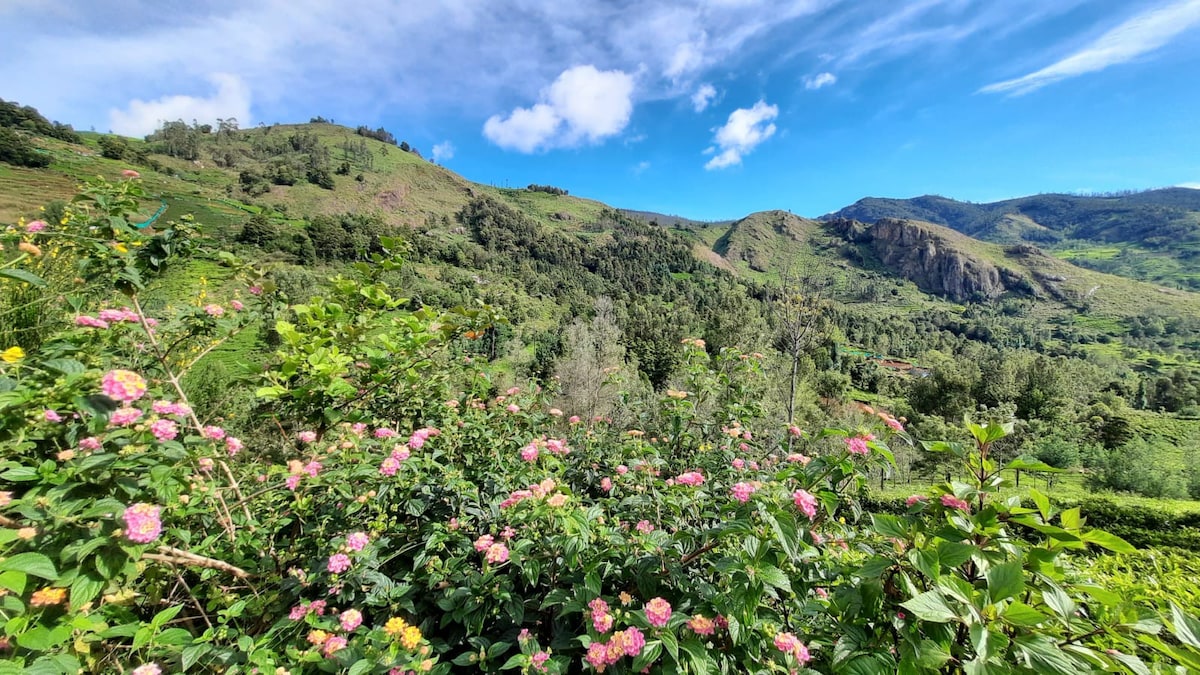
(395, 626)
(411, 637)
(121, 248)
(12, 354)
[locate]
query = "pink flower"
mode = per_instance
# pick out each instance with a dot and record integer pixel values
(333, 645)
(557, 446)
(950, 501)
(164, 430)
(482, 543)
(529, 453)
(298, 612)
(168, 408)
(738, 463)
(794, 430)
(142, 523)
(384, 433)
(89, 443)
(622, 469)
(597, 656)
(350, 619)
(122, 417)
(306, 436)
(742, 491)
(894, 424)
(237, 305)
(789, 644)
(602, 622)
(857, 446)
(123, 385)
(524, 635)
(507, 533)
(147, 669)
(338, 563)
(658, 612)
(214, 310)
(51, 416)
(806, 502)
(797, 457)
(573, 419)
(35, 226)
(233, 446)
(255, 290)
(90, 322)
(496, 553)
(313, 468)
(692, 478)
(598, 606)
(644, 527)
(634, 641)
(915, 499)
(130, 173)
(538, 661)
(513, 408)
(206, 464)
(821, 593)
(356, 541)
(389, 467)
(606, 484)
(214, 433)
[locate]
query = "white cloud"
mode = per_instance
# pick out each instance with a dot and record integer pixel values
(1193, 186)
(640, 167)
(746, 128)
(1139, 35)
(688, 58)
(703, 96)
(584, 105)
(819, 80)
(443, 151)
(232, 99)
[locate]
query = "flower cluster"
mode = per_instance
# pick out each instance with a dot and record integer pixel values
(628, 642)
(142, 523)
(123, 385)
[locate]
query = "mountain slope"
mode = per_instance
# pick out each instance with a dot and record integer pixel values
(1152, 235)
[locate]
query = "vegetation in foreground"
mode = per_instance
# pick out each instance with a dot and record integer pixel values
(379, 505)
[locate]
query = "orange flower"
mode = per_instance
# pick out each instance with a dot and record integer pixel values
(48, 596)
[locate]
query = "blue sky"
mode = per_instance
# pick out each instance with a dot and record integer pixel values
(710, 109)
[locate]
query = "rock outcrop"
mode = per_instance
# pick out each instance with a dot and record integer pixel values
(931, 257)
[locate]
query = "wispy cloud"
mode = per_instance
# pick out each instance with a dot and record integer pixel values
(443, 152)
(1193, 186)
(703, 96)
(744, 131)
(1138, 35)
(819, 80)
(640, 168)
(584, 105)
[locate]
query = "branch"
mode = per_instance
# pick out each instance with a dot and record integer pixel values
(175, 556)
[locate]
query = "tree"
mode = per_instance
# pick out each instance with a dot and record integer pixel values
(593, 354)
(800, 314)
(15, 150)
(113, 147)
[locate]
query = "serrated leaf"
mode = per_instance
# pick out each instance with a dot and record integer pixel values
(1005, 581)
(193, 654)
(1187, 629)
(1109, 541)
(931, 606)
(773, 576)
(34, 564)
(1021, 614)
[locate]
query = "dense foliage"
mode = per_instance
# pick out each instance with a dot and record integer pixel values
(378, 503)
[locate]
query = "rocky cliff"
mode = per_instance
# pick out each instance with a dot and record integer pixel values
(933, 257)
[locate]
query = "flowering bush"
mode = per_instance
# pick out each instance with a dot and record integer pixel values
(407, 516)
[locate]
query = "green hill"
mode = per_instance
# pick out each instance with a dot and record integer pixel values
(1152, 235)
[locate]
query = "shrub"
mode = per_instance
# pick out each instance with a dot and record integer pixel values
(16, 150)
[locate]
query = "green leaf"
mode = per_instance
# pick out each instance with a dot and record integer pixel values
(64, 366)
(34, 564)
(164, 616)
(23, 275)
(1059, 601)
(1020, 614)
(1131, 662)
(1109, 541)
(84, 590)
(773, 576)
(13, 581)
(1005, 581)
(1043, 504)
(20, 474)
(953, 554)
(361, 666)
(1187, 629)
(931, 606)
(649, 655)
(888, 525)
(671, 644)
(193, 654)
(1031, 465)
